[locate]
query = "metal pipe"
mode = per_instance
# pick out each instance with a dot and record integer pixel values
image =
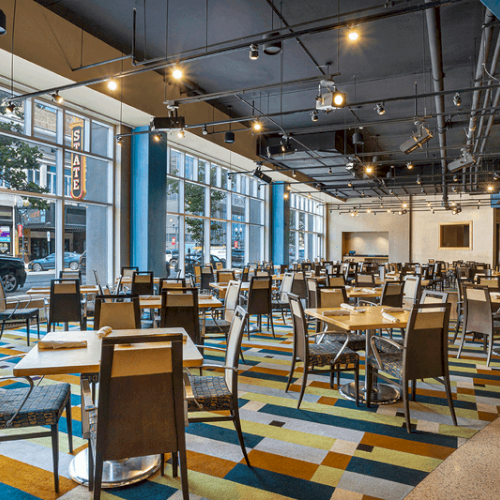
(434, 32)
(495, 104)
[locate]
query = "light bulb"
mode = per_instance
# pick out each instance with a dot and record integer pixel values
(112, 85)
(256, 125)
(353, 35)
(177, 73)
(181, 134)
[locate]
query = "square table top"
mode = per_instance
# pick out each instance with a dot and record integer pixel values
(45, 290)
(372, 319)
(88, 359)
(154, 302)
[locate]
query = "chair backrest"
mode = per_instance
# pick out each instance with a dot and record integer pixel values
(172, 283)
(179, 308)
(365, 279)
(118, 284)
(286, 286)
(300, 335)
(197, 274)
(392, 294)
(71, 275)
(231, 300)
(142, 283)
(426, 341)
(299, 284)
(312, 292)
(490, 282)
(207, 277)
(225, 276)
(259, 295)
(433, 297)
(260, 274)
(117, 311)
(333, 280)
(143, 381)
(411, 291)
(3, 299)
(218, 266)
(332, 296)
(381, 272)
(477, 309)
(96, 278)
(65, 301)
(283, 268)
(128, 271)
(235, 335)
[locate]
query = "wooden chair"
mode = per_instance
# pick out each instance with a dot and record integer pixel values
(214, 326)
(65, 303)
(127, 271)
(367, 280)
(433, 297)
(117, 312)
(225, 276)
(171, 283)
(207, 277)
(423, 355)
(335, 280)
(179, 308)
(70, 275)
(142, 283)
(141, 404)
(281, 301)
(334, 354)
(217, 394)
(260, 301)
(411, 291)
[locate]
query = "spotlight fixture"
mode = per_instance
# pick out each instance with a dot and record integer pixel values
(229, 137)
(428, 203)
(466, 160)
(204, 131)
(381, 205)
(389, 210)
(422, 190)
(314, 116)
(289, 188)
(349, 184)
(10, 108)
(167, 123)
(119, 140)
(409, 165)
(490, 188)
(157, 137)
(457, 99)
(380, 109)
(496, 176)
(294, 174)
(456, 210)
(58, 98)
(3, 23)
(419, 181)
(177, 73)
(352, 33)
(368, 211)
(257, 125)
(405, 205)
(330, 170)
(112, 85)
(261, 175)
(309, 195)
(181, 134)
(272, 48)
(254, 52)
(332, 99)
(362, 193)
(357, 138)
(369, 169)
(285, 196)
(418, 139)
(455, 178)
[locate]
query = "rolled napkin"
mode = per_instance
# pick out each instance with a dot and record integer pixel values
(370, 290)
(62, 343)
(338, 312)
(104, 331)
(354, 309)
(392, 309)
(495, 295)
(390, 317)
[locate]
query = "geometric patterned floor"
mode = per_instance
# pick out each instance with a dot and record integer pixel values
(329, 449)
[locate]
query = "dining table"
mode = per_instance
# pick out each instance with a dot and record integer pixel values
(87, 359)
(369, 321)
(45, 290)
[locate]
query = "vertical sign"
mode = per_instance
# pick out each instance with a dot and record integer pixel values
(78, 191)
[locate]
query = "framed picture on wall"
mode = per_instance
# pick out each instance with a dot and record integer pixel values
(455, 236)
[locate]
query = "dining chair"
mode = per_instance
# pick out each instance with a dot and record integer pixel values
(281, 301)
(299, 284)
(433, 297)
(127, 271)
(97, 280)
(214, 326)
(363, 279)
(411, 291)
(334, 354)
(218, 394)
(207, 277)
(117, 312)
(179, 308)
(423, 355)
(197, 275)
(142, 283)
(492, 282)
(225, 276)
(71, 275)
(140, 410)
(14, 313)
(260, 302)
(35, 406)
(392, 294)
(479, 319)
(65, 303)
(335, 280)
(218, 266)
(171, 283)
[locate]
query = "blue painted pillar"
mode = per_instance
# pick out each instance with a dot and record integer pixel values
(148, 204)
(280, 224)
(494, 6)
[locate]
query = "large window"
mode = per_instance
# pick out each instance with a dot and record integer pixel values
(37, 156)
(214, 214)
(306, 228)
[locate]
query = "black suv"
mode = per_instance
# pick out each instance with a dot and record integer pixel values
(12, 272)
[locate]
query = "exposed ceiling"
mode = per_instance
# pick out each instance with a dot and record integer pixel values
(397, 56)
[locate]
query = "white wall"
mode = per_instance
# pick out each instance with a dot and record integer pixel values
(367, 243)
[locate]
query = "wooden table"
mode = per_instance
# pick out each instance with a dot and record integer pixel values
(358, 293)
(87, 360)
(369, 321)
(44, 290)
(128, 281)
(154, 302)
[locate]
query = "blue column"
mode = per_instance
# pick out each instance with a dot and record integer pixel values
(148, 205)
(280, 223)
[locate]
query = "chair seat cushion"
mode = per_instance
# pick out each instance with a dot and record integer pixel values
(43, 407)
(219, 326)
(356, 342)
(325, 354)
(391, 363)
(211, 393)
(19, 314)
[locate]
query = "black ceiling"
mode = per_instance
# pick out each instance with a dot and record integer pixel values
(392, 58)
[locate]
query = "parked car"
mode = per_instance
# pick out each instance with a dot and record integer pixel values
(71, 260)
(12, 273)
(194, 259)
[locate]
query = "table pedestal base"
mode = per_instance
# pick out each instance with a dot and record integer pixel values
(382, 394)
(115, 472)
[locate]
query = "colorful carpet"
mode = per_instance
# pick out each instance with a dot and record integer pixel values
(329, 449)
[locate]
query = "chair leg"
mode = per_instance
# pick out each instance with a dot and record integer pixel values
(162, 465)
(38, 325)
(460, 347)
(304, 383)
(3, 328)
(406, 404)
(450, 398)
(98, 466)
(369, 383)
(270, 318)
(457, 329)
(237, 425)
(175, 464)
(292, 369)
(184, 478)
(413, 389)
(28, 331)
(69, 424)
(490, 349)
(91, 467)
(356, 382)
(55, 454)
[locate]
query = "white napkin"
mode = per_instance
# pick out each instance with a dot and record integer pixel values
(390, 317)
(62, 343)
(354, 309)
(495, 295)
(104, 331)
(392, 309)
(337, 313)
(369, 290)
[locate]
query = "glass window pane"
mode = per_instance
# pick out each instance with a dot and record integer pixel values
(310, 247)
(254, 247)
(69, 119)
(173, 243)
(45, 121)
(189, 168)
(218, 242)
(302, 221)
(223, 178)
(238, 245)
(310, 223)
(193, 244)
(194, 198)
(218, 204)
(99, 138)
(96, 177)
(238, 208)
(244, 184)
(301, 245)
(293, 216)
(214, 176)
(255, 211)
(14, 121)
(173, 195)
(175, 163)
(202, 170)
